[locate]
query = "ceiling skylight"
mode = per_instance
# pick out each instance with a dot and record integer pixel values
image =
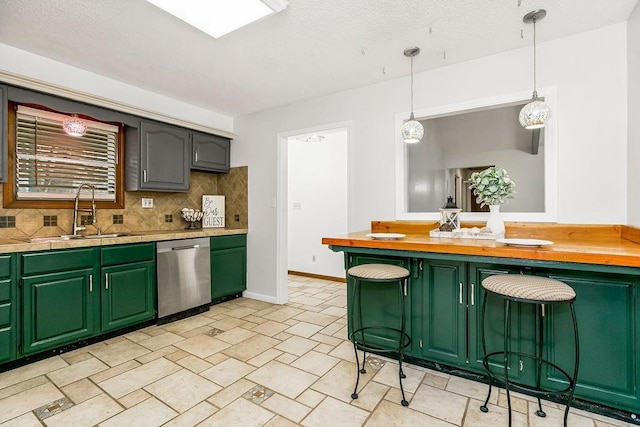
(220, 17)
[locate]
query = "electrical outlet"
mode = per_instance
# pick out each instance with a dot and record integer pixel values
(313, 258)
(147, 203)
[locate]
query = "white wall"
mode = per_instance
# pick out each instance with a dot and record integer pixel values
(587, 69)
(633, 165)
(317, 176)
(26, 64)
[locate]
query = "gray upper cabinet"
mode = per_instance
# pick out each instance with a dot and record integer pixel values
(158, 158)
(210, 152)
(4, 132)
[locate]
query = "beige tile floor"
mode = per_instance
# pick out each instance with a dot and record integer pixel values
(250, 363)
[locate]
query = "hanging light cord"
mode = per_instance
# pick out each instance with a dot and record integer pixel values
(412, 86)
(535, 92)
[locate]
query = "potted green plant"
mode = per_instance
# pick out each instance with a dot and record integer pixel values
(493, 187)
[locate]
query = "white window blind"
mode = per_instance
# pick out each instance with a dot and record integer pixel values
(51, 164)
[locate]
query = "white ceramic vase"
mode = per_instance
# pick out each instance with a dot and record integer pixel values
(495, 222)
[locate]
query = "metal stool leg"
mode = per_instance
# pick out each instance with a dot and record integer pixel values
(540, 318)
(507, 334)
(401, 374)
(357, 292)
(485, 362)
(577, 362)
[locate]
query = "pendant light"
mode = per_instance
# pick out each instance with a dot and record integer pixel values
(74, 126)
(536, 113)
(412, 130)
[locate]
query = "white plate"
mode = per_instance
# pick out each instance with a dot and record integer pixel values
(386, 236)
(527, 243)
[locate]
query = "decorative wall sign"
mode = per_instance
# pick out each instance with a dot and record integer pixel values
(213, 209)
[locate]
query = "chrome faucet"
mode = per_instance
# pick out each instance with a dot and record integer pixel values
(76, 209)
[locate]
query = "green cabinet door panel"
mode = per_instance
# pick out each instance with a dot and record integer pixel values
(443, 311)
(607, 313)
(128, 295)
(59, 308)
(228, 271)
(522, 326)
(8, 308)
(380, 305)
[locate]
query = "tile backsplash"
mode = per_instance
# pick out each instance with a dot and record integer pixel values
(233, 185)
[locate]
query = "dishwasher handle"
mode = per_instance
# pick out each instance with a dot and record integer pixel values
(178, 248)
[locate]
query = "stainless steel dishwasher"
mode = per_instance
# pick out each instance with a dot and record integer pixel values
(184, 275)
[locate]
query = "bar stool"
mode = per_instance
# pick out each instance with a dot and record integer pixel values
(540, 291)
(382, 274)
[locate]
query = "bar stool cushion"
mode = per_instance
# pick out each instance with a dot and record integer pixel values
(527, 287)
(378, 272)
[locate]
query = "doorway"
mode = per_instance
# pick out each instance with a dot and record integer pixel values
(313, 201)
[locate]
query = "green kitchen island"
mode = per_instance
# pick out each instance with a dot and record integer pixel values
(600, 262)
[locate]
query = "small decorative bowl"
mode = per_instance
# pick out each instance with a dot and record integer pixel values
(191, 216)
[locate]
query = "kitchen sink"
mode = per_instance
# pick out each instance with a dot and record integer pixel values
(65, 237)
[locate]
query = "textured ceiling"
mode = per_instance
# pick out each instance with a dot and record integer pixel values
(312, 48)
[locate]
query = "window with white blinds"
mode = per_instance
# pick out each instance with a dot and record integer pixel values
(51, 164)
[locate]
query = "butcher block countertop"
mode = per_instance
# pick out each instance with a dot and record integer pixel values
(617, 245)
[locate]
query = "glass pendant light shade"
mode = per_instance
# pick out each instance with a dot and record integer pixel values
(535, 114)
(74, 126)
(412, 130)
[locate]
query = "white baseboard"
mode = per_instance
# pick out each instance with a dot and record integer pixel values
(260, 297)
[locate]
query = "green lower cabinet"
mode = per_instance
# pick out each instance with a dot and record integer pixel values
(522, 337)
(64, 300)
(8, 309)
(58, 308)
(128, 295)
(442, 307)
(380, 305)
(444, 319)
(607, 312)
(228, 265)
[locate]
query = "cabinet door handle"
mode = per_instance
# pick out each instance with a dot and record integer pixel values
(90, 283)
(144, 175)
(106, 281)
(473, 291)
(460, 292)
(196, 156)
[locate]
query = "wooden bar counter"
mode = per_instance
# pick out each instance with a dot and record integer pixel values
(600, 262)
(591, 244)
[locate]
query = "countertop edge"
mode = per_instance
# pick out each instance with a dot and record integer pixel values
(17, 245)
(620, 252)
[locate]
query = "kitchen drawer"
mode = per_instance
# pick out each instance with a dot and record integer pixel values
(226, 242)
(53, 261)
(5, 266)
(125, 254)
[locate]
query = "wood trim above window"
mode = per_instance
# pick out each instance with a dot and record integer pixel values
(10, 200)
